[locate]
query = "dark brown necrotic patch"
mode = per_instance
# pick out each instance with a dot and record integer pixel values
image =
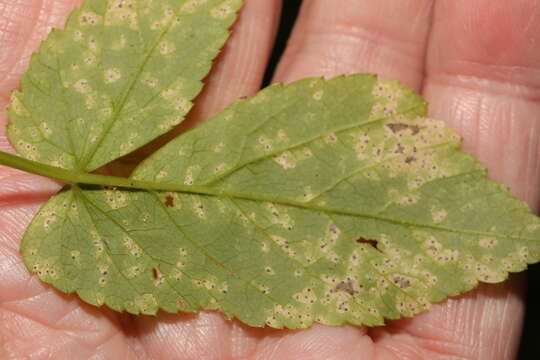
(402, 282)
(169, 201)
(397, 127)
(410, 159)
(346, 286)
(370, 242)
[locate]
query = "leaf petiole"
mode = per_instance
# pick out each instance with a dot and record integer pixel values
(75, 177)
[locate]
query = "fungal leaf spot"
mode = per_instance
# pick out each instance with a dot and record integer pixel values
(370, 242)
(169, 201)
(397, 127)
(347, 287)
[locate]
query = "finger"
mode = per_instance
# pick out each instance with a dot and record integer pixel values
(319, 342)
(341, 37)
(202, 336)
(481, 324)
(483, 68)
(210, 336)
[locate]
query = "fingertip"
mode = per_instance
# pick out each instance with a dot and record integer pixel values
(332, 38)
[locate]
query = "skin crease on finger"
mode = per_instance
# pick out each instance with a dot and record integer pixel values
(458, 80)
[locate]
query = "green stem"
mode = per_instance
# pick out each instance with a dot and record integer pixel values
(75, 177)
(37, 168)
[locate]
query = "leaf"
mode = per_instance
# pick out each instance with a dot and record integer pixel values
(121, 73)
(321, 201)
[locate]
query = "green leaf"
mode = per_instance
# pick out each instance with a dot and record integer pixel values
(322, 201)
(121, 73)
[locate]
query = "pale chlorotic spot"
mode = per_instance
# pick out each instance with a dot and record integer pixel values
(330, 138)
(198, 208)
(192, 6)
(78, 35)
(286, 160)
(150, 81)
(488, 242)
(266, 143)
(166, 47)
(93, 45)
(318, 95)
(219, 169)
(82, 86)
(222, 11)
(438, 215)
(162, 174)
(112, 75)
(282, 136)
(183, 105)
(219, 147)
(89, 59)
(89, 18)
(17, 107)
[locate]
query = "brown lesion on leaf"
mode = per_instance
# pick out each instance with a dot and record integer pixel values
(347, 287)
(397, 127)
(169, 201)
(155, 273)
(401, 282)
(370, 242)
(410, 159)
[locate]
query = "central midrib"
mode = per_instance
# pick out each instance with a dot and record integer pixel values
(220, 193)
(77, 179)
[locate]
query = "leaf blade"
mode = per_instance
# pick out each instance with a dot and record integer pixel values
(118, 64)
(370, 242)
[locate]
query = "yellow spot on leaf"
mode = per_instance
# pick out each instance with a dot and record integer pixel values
(17, 107)
(438, 215)
(318, 95)
(82, 86)
(112, 75)
(89, 18)
(192, 5)
(286, 160)
(166, 47)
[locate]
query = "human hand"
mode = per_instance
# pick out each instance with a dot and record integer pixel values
(474, 61)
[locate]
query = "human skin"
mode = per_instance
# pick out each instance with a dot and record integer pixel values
(477, 62)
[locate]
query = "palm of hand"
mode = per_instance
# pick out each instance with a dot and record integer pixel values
(465, 83)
